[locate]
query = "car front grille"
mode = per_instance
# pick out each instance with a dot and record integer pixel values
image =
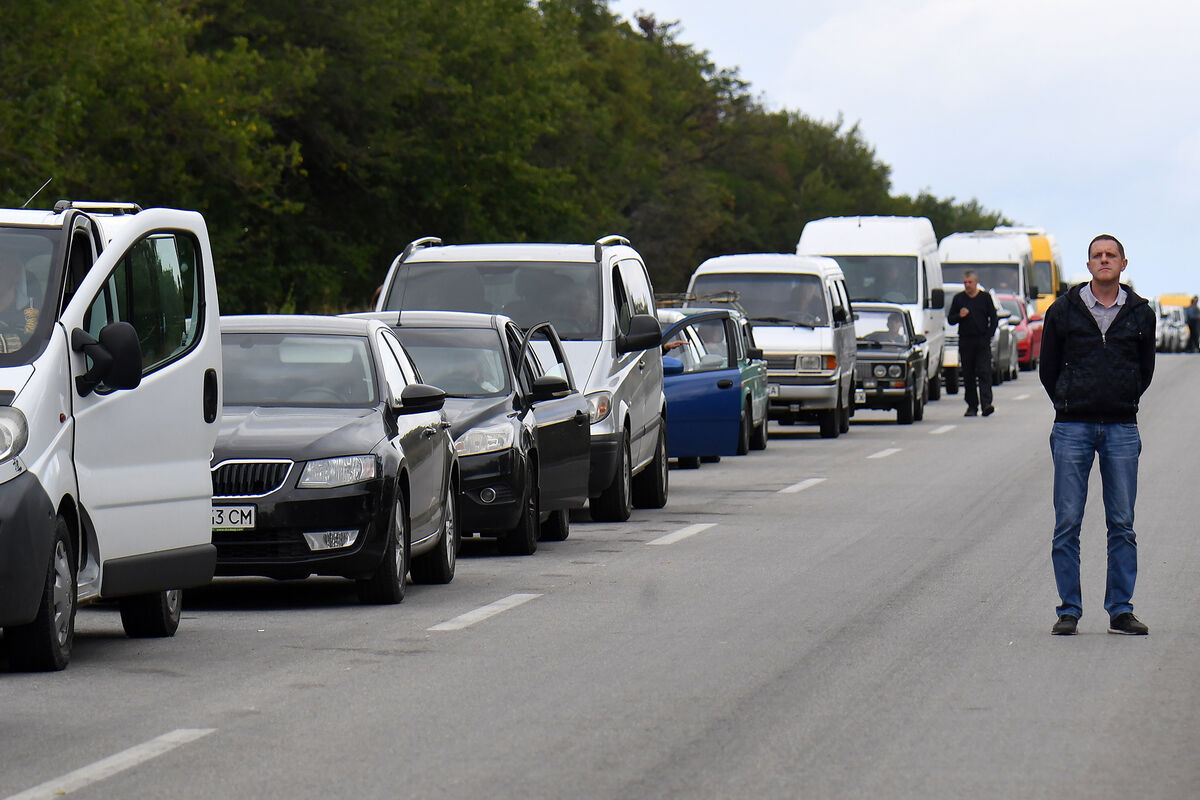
(249, 478)
(786, 363)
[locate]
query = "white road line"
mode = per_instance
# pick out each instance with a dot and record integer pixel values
(1021, 397)
(106, 768)
(807, 483)
(484, 612)
(885, 453)
(683, 533)
(942, 429)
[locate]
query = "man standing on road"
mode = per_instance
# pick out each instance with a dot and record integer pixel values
(1097, 360)
(1192, 312)
(974, 312)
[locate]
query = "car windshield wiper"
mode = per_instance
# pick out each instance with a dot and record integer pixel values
(785, 320)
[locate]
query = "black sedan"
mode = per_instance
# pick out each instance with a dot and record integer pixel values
(332, 458)
(520, 426)
(890, 373)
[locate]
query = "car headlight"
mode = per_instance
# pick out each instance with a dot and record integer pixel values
(895, 371)
(14, 433)
(880, 371)
(599, 406)
(809, 363)
(341, 471)
(484, 440)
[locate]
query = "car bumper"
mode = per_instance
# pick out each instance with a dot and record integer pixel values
(881, 397)
(276, 547)
(790, 394)
(499, 476)
(27, 525)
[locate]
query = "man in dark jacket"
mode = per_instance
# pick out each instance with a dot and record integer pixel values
(1097, 360)
(974, 312)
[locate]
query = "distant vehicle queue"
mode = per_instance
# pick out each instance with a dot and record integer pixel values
(493, 389)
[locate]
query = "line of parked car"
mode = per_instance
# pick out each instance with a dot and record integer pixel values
(147, 444)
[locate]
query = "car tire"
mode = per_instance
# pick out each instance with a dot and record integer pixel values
(689, 462)
(758, 439)
(44, 645)
(918, 406)
(831, 421)
(904, 412)
(615, 504)
(952, 382)
(151, 616)
(522, 539)
(387, 584)
(844, 421)
(557, 526)
(437, 566)
(935, 386)
(743, 441)
(651, 486)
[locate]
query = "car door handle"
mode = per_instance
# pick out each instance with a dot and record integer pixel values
(724, 383)
(642, 364)
(580, 418)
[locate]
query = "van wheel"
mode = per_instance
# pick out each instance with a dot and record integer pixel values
(387, 584)
(437, 566)
(904, 414)
(651, 485)
(615, 503)
(758, 439)
(44, 645)
(831, 421)
(844, 421)
(523, 539)
(153, 615)
(557, 526)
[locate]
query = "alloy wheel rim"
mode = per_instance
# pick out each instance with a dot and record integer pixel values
(451, 530)
(401, 567)
(64, 594)
(174, 598)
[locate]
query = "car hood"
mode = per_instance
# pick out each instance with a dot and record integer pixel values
(793, 339)
(300, 434)
(464, 413)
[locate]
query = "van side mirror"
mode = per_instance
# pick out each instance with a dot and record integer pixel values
(644, 333)
(840, 315)
(920, 338)
(937, 298)
(419, 397)
(116, 358)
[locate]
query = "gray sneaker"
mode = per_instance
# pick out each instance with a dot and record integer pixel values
(1127, 624)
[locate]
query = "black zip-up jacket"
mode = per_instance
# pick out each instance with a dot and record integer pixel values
(1094, 377)
(981, 322)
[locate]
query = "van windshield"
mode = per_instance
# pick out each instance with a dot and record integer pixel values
(30, 279)
(770, 297)
(1042, 274)
(565, 293)
(995, 276)
(889, 279)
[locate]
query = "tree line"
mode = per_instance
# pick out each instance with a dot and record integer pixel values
(319, 138)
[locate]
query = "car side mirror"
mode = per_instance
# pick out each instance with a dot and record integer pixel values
(644, 333)
(937, 298)
(840, 316)
(920, 338)
(672, 366)
(549, 387)
(754, 354)
(116, 358)
(420, 397)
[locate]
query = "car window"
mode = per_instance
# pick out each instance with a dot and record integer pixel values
(393, 375)
(621, 299)
(156, 288)
(641, 295)
(297, 370)
(407, 366)
(462, 362)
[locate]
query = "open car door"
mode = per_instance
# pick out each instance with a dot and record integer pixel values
(703, 385)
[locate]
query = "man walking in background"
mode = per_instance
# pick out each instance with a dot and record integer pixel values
(974, 312)
(1097, 360)
(1192, 312)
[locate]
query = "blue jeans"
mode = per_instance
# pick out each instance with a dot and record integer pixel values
(1074, 446)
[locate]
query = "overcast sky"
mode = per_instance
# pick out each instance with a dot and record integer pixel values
(1079, 116)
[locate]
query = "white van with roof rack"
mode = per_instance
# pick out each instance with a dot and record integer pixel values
(601, 302)
(110, 364)
(889, 260)
(804, 324)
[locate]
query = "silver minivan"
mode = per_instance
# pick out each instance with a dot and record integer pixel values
(601, 302)
(804, 324)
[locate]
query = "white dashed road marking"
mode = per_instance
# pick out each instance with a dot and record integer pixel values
(683, 533)
(807, 483)
(942, 429)
(1021, 397)
(107, 767)
(484, 612)
(885, 453)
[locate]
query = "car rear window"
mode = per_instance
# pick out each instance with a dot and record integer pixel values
(298, 370)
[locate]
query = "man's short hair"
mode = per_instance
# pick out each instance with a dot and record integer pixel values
(970, 273)
(1106, 237)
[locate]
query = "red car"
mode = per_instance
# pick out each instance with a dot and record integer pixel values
(1028, 327)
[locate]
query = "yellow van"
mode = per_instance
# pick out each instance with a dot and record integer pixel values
(1047, 264)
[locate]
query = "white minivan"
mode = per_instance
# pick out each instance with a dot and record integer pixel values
(802, 321)
(110, 363)
(891, 260)
(1002, 261)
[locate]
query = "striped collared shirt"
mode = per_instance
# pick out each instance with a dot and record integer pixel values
(1104, 315)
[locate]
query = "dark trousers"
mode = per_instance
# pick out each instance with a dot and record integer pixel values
(1193, 337)
(975, 355)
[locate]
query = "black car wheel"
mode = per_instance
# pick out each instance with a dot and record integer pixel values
(904, 413)
(522, 540)
(758, 439)
(935, 386)
(152, 616)
(437, 566)
(45, 644)
(831, 421)
(743, 444)
(650, 486)
(386, 585)
(615, 504)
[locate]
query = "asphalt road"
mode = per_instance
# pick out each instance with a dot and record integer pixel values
(862, 617)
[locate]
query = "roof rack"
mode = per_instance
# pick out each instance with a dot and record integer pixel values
(116, 209)
(416, 244)
(604, 241)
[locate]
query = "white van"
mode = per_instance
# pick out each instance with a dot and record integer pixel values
(893, 260)
(1002, 261)
(803, 323)
(110, 363)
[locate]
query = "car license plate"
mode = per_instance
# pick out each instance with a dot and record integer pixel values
(860, 395)
(233, 518)
(773, 390)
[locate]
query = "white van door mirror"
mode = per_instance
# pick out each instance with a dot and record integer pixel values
(116, 357)
(644, 333)
(937, 298)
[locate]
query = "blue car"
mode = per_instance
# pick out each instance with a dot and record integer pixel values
(703, 384)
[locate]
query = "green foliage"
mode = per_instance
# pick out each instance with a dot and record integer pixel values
(318, 138)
